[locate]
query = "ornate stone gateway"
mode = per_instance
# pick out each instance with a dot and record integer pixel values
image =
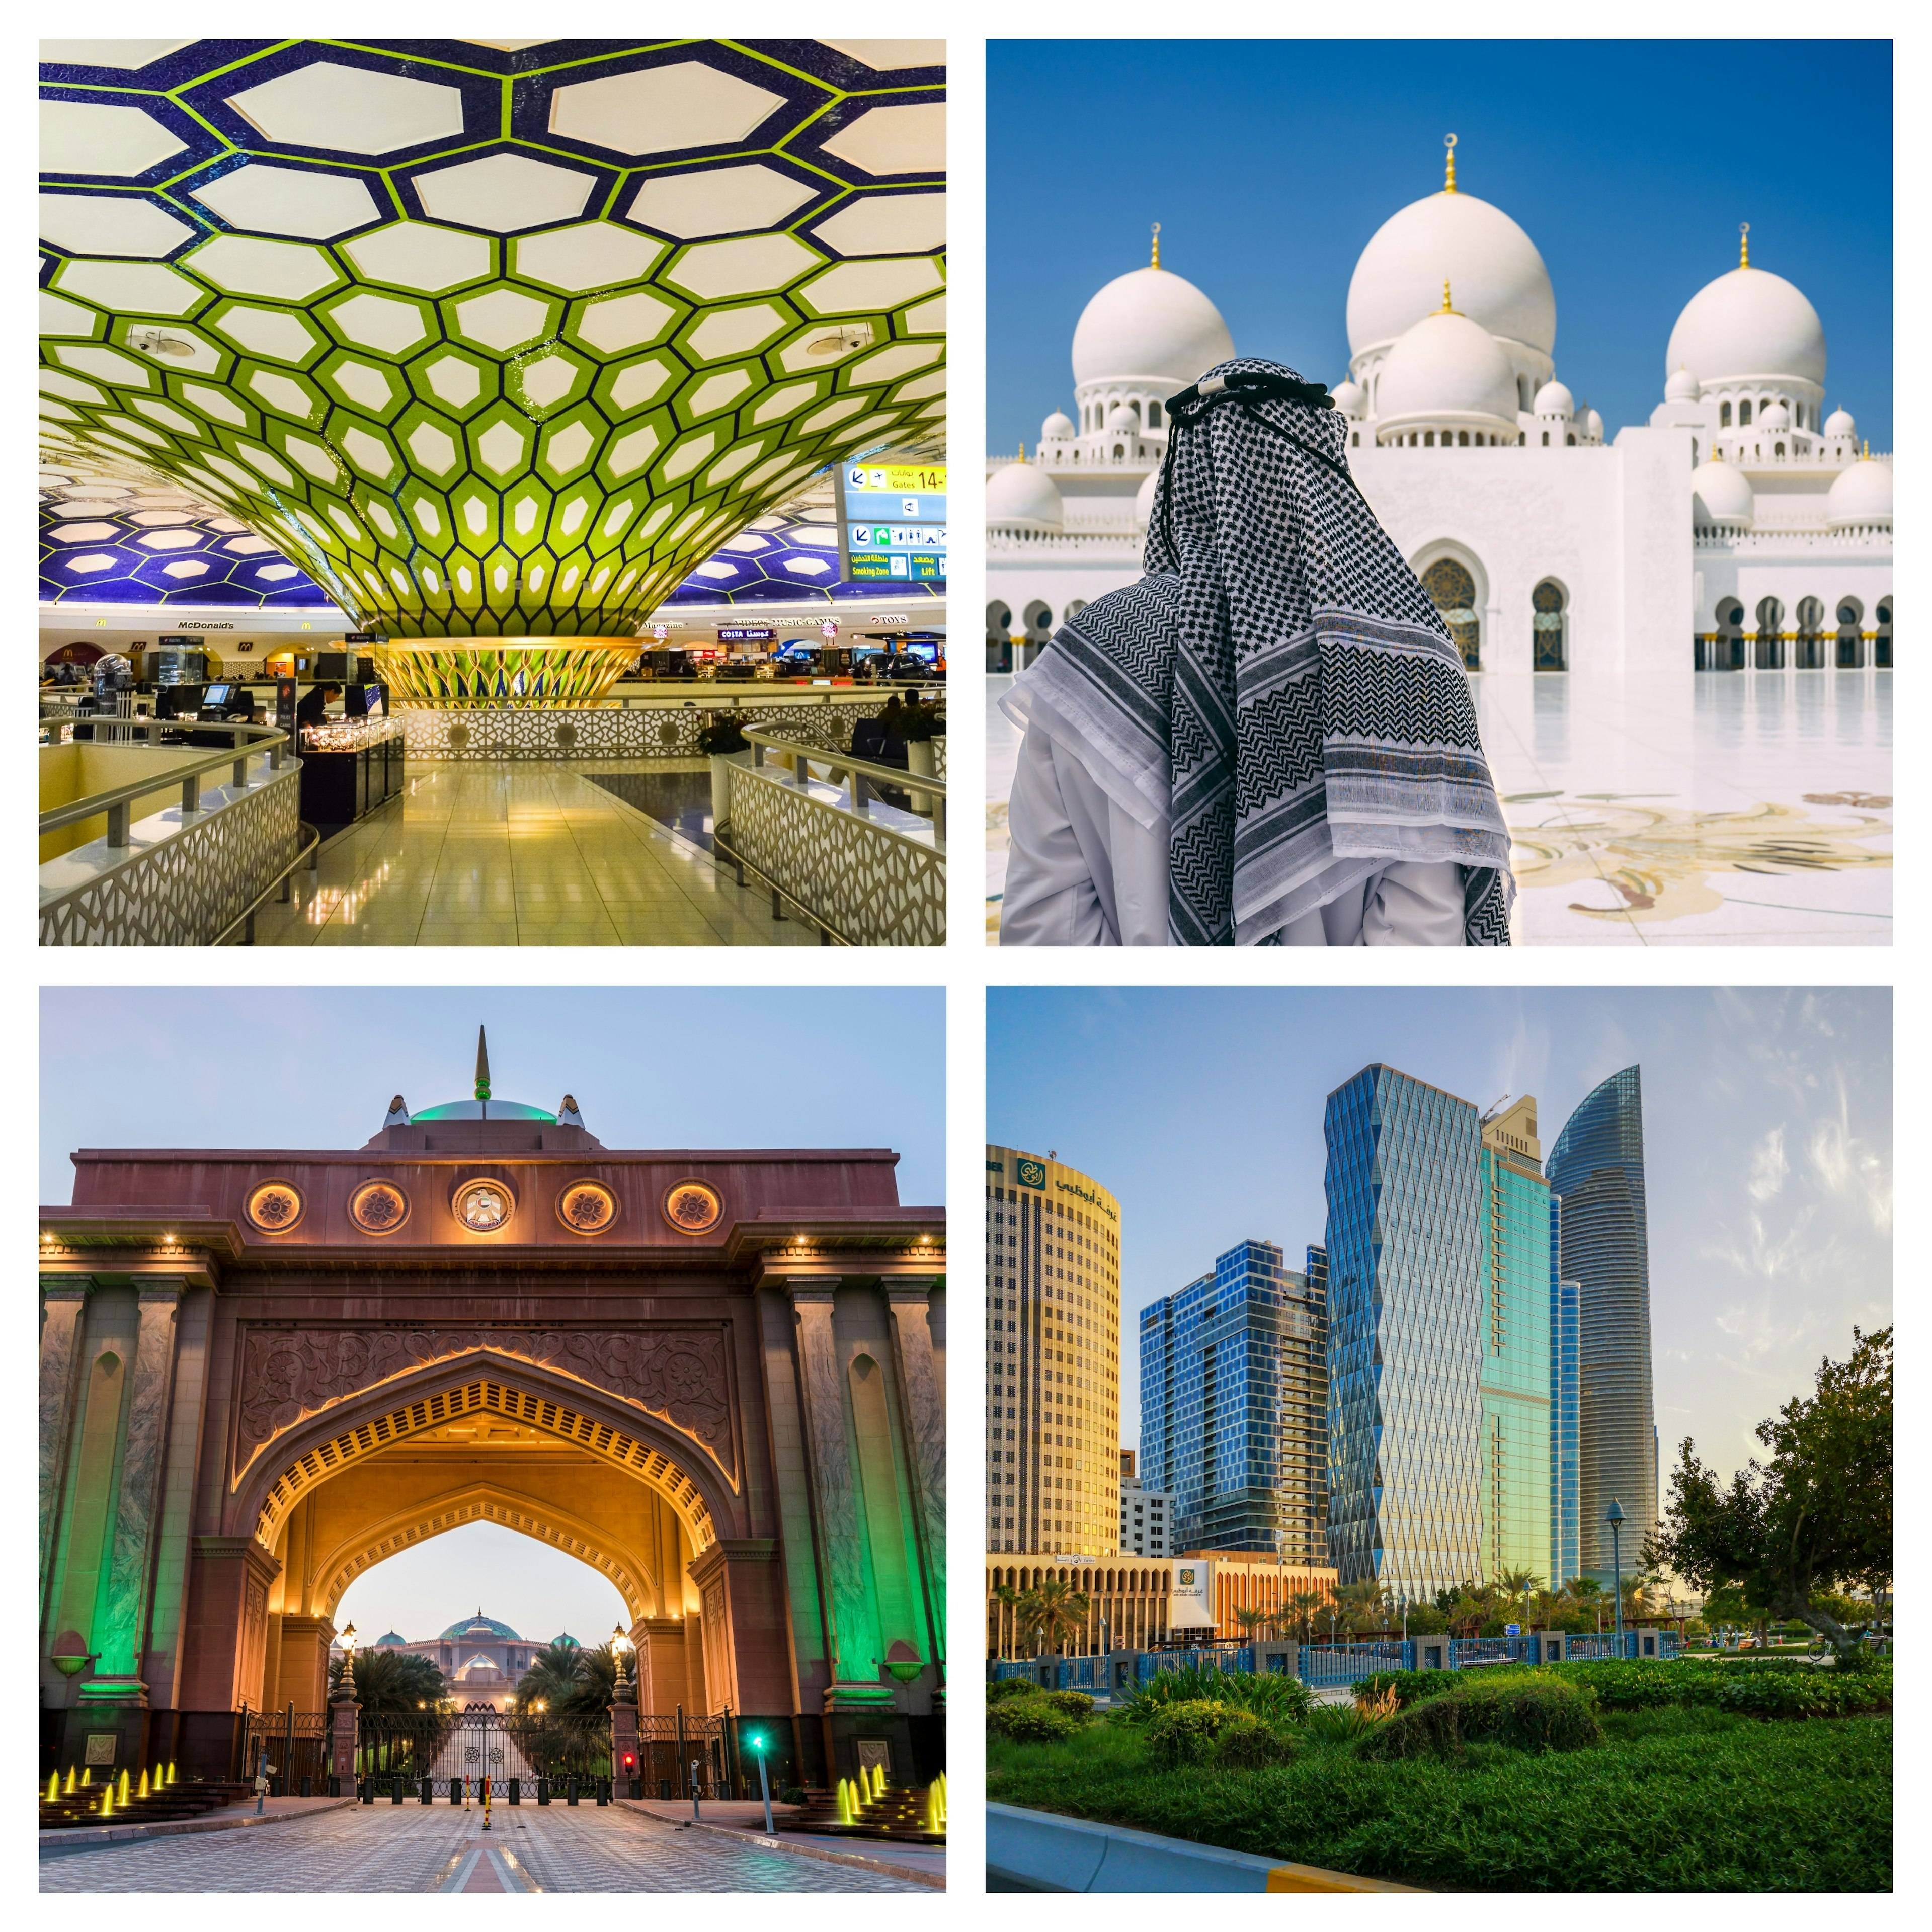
(716, 1377)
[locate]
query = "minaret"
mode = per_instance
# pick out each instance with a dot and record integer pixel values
(482, 1075)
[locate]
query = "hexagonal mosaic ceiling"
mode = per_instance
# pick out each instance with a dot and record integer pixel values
(490, 338)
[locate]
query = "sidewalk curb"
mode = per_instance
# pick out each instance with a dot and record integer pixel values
(1044, 1851)
(85, 1838)
(778, 1844)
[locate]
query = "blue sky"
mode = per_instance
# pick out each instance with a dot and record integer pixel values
(1767, 1144)
(1270, 164)
(307, 1066)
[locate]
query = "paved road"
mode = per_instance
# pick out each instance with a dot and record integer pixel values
(440, 1848)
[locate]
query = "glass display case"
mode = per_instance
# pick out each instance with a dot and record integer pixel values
(350, 767)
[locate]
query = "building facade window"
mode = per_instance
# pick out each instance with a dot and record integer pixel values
(1452, 590)
(1548, 639)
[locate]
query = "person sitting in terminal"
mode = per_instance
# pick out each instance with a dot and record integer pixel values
(1270, 740)
(314, 705)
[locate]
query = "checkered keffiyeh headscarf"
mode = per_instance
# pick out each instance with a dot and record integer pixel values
(1279, 687)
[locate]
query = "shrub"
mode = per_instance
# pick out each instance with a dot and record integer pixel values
(1248, 1744)
(1432, 1728)
(1523, 1711)
(1011, 1686)
(1075, 1703)
(1410, 1687)
(1031, 1720)
(1338, 1724)
(1274, 1697)
(1188, 1729)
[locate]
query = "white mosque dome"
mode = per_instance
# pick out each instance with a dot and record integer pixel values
(1554, 399)
(1349, 398)
(1499, 279)
(1840, 423)
(1749, 324)
(1592, 425)
(1144, 500)
(1683, 387)
(1149, 324)
(1020, 496)
(1059, 425)
(1862, 494)
(1121, 421)
(1720, 497)
(1446, 364)
(1776, 416)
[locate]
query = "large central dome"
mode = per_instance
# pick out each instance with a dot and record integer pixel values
(1499, 278)
(480, 1626)
(1748, 325)
(1149, 325)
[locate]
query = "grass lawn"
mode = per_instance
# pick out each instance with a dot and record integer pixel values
(1675, 1799)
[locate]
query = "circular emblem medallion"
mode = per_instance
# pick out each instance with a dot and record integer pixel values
(274, 1206)
(586, 1207)
(379, 1207)
(692, 1208)
(484, 1206)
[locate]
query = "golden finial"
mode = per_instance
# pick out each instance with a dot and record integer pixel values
(1447, 307)
(1449, 180)
(1864, 452)
(1156, 263)
(1022, 449)
(1743, 244)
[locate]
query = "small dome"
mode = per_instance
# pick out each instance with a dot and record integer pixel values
(1553, 399)
(486, 1110)
(1021, 496)
(1350, 397)
(1447, 365)
(1862, 494)
(1748, 325)
(1776, 417)
(1840, 423)
(1144, 500)
(1720, 497)
(1149, 324)
(1056, 426)
(1121, 421)
(1683, 387)
(564, 1637)
(1592, 425)
(389, 1641)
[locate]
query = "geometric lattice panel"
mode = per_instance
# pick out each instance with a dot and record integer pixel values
(870, 885)
(441, 735)
(492, 338)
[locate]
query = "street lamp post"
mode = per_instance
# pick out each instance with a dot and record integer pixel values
(757, 1744)
(1614, 1517)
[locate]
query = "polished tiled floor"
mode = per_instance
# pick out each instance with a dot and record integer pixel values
(517, 853)
(442, 1848)
(1743, 808)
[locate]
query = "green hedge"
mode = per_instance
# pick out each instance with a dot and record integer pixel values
(1032, 1721)
(1273, 1696)
(1770, 1687)
(1203, 1730)
(1525, 1712)
(1011, 1686)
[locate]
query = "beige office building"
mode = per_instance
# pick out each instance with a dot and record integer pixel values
(1053, 1357)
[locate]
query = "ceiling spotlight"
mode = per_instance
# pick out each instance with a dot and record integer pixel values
(152, 342)
(842, 341)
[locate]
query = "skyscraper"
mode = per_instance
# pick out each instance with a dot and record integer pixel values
(1404, 1353)
(1564, 1553)
(1515, 1279)
(1232, 1413)
(1053, 1358)
(1597, 1167)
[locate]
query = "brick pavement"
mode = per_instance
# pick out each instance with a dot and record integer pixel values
(438, 1848)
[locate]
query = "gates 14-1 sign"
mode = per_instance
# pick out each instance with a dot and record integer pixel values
(892, 523)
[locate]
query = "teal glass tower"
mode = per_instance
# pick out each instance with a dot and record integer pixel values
(1233, 1410)
(1515, 1346)
(1597, 1168)
(1405, 1361)
(1563, 1554)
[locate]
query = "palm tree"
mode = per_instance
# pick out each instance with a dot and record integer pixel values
(1052, 1611)
(1361, 1605)
(556, 1676)
(1008, 1598)
(1519, 1583)
(388, 1681)
(1253, 1621)
(1304, 1605)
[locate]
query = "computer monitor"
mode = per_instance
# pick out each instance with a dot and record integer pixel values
(215, 696)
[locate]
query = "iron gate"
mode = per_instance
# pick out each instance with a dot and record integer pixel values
(296, 1743)
(668, 1746)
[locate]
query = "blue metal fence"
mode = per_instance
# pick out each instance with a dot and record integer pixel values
(1465, 1650)
(1008, 1666)
(1149, 1664)
(1327, 1666)
(1078, 1673)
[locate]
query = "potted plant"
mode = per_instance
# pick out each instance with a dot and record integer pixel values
(724, 742)
(922, 724)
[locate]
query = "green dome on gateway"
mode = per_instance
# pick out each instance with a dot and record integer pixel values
(482, 1107)
(480, 1626)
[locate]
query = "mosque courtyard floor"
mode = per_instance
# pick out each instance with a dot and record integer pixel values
(442, 1848)
(1736, 809)
(518, 853)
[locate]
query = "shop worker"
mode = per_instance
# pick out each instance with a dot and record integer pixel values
(1270, 740)
(314, 705)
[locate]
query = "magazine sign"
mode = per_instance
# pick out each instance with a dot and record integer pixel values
(1191, 1603)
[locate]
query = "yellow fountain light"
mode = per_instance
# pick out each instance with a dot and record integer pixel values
(107, 1802)
(70, 1778)
(53, 1788)
(124, 1798)
(143, 1791)
(87, 1776)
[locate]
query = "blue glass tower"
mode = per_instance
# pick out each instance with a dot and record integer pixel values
(1564, 1554)
(1233, 1407)
(1404, 1353)
(1597, 1167)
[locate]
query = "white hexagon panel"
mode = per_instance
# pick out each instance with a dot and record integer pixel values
(492, 339)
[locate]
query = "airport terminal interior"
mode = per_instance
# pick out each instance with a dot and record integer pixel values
(493, 492)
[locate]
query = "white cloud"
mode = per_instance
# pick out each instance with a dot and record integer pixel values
(1768, 1166)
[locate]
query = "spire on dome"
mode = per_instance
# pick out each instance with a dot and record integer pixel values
(482, 1077)
(1022, 449)
(1447, 307)
(1156, 263)
(1449, 155)
(1743, 244)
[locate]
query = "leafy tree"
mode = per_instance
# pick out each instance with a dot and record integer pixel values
(1815, 1519)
